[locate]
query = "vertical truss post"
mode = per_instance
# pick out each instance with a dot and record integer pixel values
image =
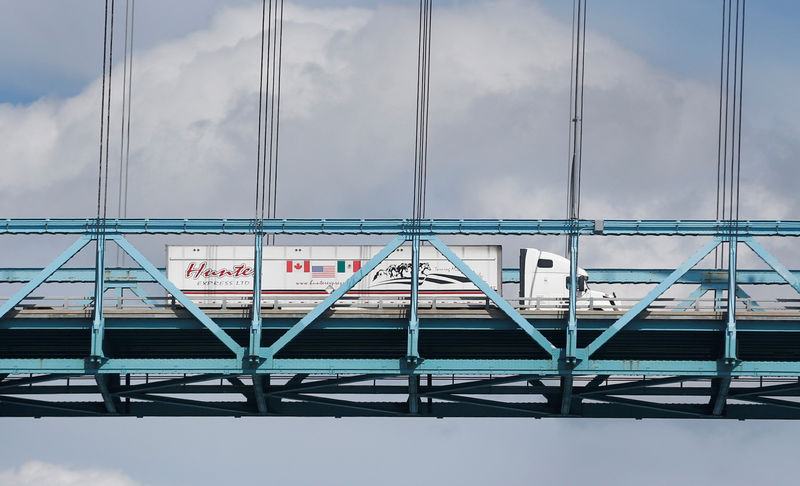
(412, 352)
(118, 293)
(572, 323)
(98, 322)
(730, 330)
(255, 324)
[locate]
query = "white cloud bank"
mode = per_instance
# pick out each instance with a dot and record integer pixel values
(36, 473)
(498, 133)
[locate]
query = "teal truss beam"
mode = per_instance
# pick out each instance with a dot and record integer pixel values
(42, 275)
(334, 296)
(166, 356)
(88, 226)
(653, 295)
(178, 295)
(494, 297)
(337, 396)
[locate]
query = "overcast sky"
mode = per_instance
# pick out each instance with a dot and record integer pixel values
(498, 148)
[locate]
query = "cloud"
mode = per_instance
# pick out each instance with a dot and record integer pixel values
(498, 127)
(36, 473)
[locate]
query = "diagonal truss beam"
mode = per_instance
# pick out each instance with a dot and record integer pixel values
(237, 408)
(179, 296)
(532, 408)
(501, 303)
(111, 402)
(347, 404)
(721, 388)
(773, 401)
(334, 296)
(741, 394)
(44, 274)
(239, 386)
(634, 385)
(477, 385)
(316, 385)
(567, 399)
(258, 391)
(773, 262)
(676, 408)
(650, 297)
(85, 408)
(160, 385)
(31, 380)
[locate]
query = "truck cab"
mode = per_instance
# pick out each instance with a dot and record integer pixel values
(544, 283)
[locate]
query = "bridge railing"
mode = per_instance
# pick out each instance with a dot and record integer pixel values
(271, 303)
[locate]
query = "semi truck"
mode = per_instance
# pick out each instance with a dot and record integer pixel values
(214, 276)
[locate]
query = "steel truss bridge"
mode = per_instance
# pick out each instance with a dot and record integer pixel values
(731, 359)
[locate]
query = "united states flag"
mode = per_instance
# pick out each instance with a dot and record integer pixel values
(323, 271)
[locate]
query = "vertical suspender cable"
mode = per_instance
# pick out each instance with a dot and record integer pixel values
(739, 135)
(108, 111)
(102, 181)
(422, 113)
(420, 168)
(718, 263)
(269, 111)
(125, 119)
(105, 120)
(426, 115)
(259, 184)
(730, 118)
(128, 125)
(577, 70)
(102, 120)
(277, 61)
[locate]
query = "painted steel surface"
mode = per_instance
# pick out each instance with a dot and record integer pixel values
(397, 226)
(733, 360)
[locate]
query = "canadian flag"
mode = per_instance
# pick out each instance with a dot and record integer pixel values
(298, 266)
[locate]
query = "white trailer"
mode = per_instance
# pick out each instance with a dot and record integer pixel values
(222, 276)
(214, 276)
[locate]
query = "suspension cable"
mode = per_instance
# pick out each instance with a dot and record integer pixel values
(739, 134)
(729, 137)
(575, 158)
(259, 217)
(420, 183)
(105, 120)
(125, 123)
(269, 94)
(277, 58)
